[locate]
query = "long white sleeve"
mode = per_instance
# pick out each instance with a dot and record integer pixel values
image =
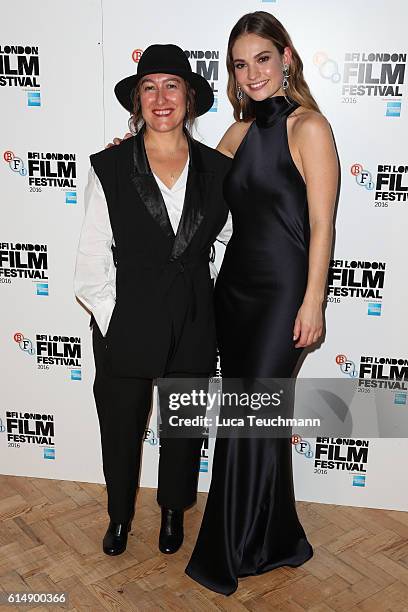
(95, 272)
(226, 232)
(224, 237)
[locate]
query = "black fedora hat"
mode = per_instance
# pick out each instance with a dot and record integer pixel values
(166, 59)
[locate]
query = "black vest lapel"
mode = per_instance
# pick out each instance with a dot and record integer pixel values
(146, 186)
(197, 189)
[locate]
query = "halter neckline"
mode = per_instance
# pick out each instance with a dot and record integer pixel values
(268, 111)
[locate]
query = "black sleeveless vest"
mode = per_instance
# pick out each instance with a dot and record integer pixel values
(163, 320)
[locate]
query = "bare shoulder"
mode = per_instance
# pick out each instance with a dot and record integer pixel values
(233, 137)
(307, 124)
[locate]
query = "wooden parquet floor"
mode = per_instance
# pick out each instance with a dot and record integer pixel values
(50, 541)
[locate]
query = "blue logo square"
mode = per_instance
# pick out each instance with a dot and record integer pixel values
(71, 197)
(393, 109)
(33, 98)
(49, 453)
(374, 309)
(214, 107)
(359, 481)
(42, 288)
(76, 375)
(204, 465)
(400, 398)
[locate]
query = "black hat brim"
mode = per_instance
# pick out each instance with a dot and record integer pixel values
(204, 96)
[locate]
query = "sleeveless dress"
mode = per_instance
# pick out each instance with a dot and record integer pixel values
(250, 524)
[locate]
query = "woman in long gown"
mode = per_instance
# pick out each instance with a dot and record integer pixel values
(281, 191)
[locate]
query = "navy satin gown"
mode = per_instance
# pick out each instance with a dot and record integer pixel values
(250, 524)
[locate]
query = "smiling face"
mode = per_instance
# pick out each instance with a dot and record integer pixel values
(258, 66)
(163, 99)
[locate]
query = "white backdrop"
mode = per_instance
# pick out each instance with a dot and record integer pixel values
(355, 64)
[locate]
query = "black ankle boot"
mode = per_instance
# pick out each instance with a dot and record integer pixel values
(171, 531)
(115, 540)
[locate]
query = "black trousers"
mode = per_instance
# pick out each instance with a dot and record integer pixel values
(123, 406)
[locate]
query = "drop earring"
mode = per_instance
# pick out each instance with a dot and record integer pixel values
(240, 97)
(286, 75)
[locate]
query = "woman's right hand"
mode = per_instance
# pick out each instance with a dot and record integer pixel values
(117, 141)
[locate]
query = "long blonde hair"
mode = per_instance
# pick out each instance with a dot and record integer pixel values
(267, 26)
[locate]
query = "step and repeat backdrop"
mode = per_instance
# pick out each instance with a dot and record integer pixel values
(59, 62)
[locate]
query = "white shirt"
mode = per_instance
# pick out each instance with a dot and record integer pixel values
(95, 272)
(174, 197)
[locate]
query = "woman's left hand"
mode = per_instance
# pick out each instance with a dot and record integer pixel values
(308, 326)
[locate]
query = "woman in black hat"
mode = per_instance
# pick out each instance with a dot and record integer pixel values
(269, 295)
(154, 206)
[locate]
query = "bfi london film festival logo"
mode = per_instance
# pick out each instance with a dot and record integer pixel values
(342, 455)
(29, 428)
(204, 62)
(302, 446)
(330, 455)
(150, 437)
(377, 367)
(20, 260)
(357, 280)
(346, 365)
(136, 55)
(389, 186)
(52, 351)
(20, 67)
(387, 373)
(367, 75)
(378, 372)
(46, 170)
